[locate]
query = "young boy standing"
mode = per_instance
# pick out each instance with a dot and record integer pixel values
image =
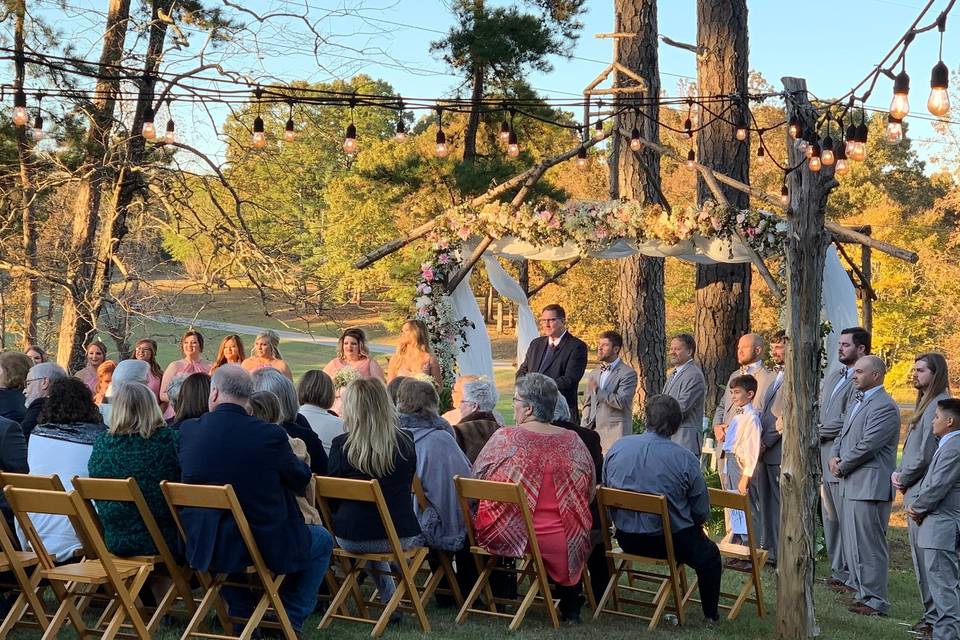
(937, 511)
(741, 450)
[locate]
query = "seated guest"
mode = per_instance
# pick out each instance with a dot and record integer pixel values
(188, 397)
(555, 469)
(36, 390)
(36, 354)
(597, 562)
(454, 415)
(374, 447)
(104, 376)
(126, 371)
(136, 445)
(439, 459)
(478, 421)
(13, 458)
(61, 444)
(652, 463)
(315, 394)
(14, 369)
(227, 446)
(266, 355)
(393, 387)
(268, 379)
(936, 510)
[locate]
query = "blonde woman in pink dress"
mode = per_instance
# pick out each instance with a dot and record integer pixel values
(191, 345)
(96, 354)
(266, 353)
(230, 352)
(352, 352)
(414, 356)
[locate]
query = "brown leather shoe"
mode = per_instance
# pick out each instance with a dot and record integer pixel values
(839, 587)
(923, 629)
(864, 610)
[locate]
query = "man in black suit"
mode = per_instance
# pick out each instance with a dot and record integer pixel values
(558, 355)
(228, 446)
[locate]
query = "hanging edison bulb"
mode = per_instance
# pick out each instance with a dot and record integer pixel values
(939, 101)
(859, 152)
(815, 162)
(441, 150)
(691, 159)
(900, 105)
(784, 195)
(582, 158)
(761, 154)
(505, 131)
(794, 127)
(851, 140)
(827, 156)
(635, 140)
(893, 134)
(170, 136)
(741, 133)
(20, 108)
(289, 131)
(401, 132)
(259, 137)
(513, 148)
(37, 127)
(350, 139)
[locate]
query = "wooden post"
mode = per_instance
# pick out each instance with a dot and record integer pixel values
(500, 317)
(488, 315)
(805, 251)
(866, 267)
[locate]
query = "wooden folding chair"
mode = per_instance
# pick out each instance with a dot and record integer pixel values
(120, 580)
(27, 481)
(127, 490)
(224, 498)
(30, 598)
(529, 566)
(407, 562)
(435, 576)
(669, 585)
(750, 554)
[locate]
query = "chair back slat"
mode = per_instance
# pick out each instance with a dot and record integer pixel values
(419, 493)
(27, 481)
(57, 503)
(728, 499)
(199, 496)
(506, 492)
(344, 489)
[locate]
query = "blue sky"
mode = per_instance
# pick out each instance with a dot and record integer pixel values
(835, 45)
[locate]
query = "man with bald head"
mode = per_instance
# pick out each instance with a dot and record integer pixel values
(863, 457)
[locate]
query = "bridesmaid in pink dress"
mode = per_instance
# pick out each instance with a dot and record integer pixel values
(266, 353)
(230, 352)
(146, 350)
(191, 345)
(96, 354)
(414, 356)
(352, 352)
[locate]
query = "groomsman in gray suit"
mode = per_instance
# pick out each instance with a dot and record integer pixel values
(610, 390)
(767, 475)
(687, 386)
(864, 456)
(931, 379)
(937, 511)
(835, 393)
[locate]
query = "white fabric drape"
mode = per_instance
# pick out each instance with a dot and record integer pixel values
(839, 305)
(509, 288)
(478, 358)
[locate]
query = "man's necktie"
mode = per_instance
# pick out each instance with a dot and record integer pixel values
(859, 396)
(604, 367)
(843, 374)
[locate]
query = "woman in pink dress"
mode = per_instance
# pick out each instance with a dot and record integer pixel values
(146, 350)
(96, 354)
(266, 353)
(556, 471)
(352, 352)
(230, 352)
(191, 345)
(414, 356)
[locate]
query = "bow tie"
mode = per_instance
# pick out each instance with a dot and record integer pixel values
(859, 396)
(739, 411)
(604, 367)
(778, 368)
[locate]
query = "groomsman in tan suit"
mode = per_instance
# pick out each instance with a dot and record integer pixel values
(687, 386)
(931, 379)
(835, 393)
(608, 409)
(863, 457)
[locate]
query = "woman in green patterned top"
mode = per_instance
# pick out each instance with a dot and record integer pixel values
(138, 446)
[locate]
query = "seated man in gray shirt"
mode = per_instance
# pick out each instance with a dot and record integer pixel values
(652, 463)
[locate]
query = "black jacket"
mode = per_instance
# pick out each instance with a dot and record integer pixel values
(360, 521)
(318, 455)
(30, 419)
(12, 405)
(566, 368)
(13, 452)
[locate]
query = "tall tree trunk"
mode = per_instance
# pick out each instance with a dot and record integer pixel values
(77, 321)
(723, 290)
(27, 189)
(473, 122)
(640, 306)
(806, 248)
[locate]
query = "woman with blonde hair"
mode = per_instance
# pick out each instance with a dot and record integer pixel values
(230, 352)
(137, 445)
(96, 353)
(146, 350)
(414, 357)
(352, 353)
(191, 346)
(104, 377)
(374, 447)
(266, 354)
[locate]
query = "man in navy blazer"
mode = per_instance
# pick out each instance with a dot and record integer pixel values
(228, 446)
(558, 355)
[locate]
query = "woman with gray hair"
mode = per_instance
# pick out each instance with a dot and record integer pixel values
(478, 421)
(558, 475)
(296, 426)
(266, 355)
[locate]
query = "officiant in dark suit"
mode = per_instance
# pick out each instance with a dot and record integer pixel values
(557, 355)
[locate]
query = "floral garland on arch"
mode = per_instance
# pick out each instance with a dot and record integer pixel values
(594, 225)
(435, 308)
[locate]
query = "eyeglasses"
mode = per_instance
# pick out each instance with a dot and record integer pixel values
(29, 380)
(550, 320)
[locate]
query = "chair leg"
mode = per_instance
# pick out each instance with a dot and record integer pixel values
(406, 575)
(211, 597)
(26, 601)
(483, 583)
(660, 603)
(346, 589)
(585, 579)
(610, 590)
(758, 591)
(451, 577)
(741, 598)
(525, 605)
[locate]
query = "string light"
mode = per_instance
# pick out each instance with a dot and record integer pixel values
(851, 139)
(761, 154)
(841, 168)
(815, 162)
(259, 137)
(289, 131)
(350, 139)
(900, 105)
(513, 149)
(939, 101)
(441, 150)
(19, 108)
(859, 152)
(401, 133)
(784, 193)
(582, 157)
(635, 139)
(170, 136)
(38, 121)
(148, 131)
(741, 133)
(505, 131)
(688, 123)
(794, 127)
(826, 155)
(894, 131)
(691, 158)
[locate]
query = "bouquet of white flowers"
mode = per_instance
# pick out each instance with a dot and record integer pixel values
(345, 376)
